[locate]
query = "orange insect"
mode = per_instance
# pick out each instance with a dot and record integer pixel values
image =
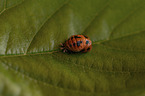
(77, 43)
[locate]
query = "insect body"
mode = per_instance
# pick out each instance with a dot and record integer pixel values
(77, 43)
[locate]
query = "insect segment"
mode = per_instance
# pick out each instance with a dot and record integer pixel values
(77, 43)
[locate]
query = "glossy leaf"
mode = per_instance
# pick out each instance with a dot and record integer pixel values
(32, 64)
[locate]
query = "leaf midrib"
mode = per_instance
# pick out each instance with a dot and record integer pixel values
(94, 43)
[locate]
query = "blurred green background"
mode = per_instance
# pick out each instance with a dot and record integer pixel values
(31, 63)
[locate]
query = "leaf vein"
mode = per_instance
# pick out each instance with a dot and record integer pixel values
(135, 33)
(5, 9)
(93, 18)
(48, 84)
(49, 17)
(123, 20)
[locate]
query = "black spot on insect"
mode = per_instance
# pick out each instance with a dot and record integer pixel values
(72, 38)
(87, 42)
(83, 50)
(65, 40)
(78, 43)
(81, 42)
(77, 37)
(70, 45)
(74, 44)
(88, 49)
(85, 36)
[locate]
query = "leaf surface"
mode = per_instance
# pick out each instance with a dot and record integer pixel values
(32, 64)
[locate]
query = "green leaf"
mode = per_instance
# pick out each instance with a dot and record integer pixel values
(31, 63)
